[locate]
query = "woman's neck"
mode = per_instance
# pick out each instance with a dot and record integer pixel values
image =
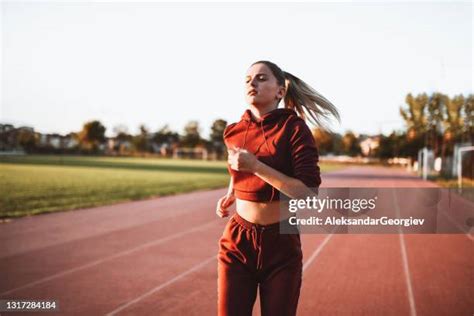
(260, 111)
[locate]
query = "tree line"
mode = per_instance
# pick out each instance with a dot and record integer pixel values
(91, 139)
(437, 122)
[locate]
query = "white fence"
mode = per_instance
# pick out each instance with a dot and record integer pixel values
(427, 165)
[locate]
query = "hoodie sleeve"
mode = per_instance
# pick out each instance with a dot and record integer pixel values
(304, 154)
(226, 133)
(224, 136)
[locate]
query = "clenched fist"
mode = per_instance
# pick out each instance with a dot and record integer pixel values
(242, 160)
(223, 203)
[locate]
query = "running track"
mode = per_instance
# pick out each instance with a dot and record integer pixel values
(158, 257)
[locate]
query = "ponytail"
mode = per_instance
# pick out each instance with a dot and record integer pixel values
(303, 99)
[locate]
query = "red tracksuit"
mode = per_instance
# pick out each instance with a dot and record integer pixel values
(252, 255)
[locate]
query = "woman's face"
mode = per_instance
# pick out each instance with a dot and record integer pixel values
(261, 87)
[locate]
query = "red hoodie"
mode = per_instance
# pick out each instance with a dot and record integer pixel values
(281, 140)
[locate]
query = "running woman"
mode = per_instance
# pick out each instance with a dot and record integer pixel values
(271, 152)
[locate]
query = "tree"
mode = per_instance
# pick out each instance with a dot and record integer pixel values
(217, 130)
(92, 135)
(217, 137)
(435, 119)
(453, 123)
(324, 141)
(27, 139)
(409, 146)
(415, 115)
(395, 145)
(191, 136)
(140, 141)
(350, 144)
(468, 108)
(165, 135)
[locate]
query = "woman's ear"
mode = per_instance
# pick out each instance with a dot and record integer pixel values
(281, 92)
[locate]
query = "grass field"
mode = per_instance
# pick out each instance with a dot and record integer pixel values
(39, 184)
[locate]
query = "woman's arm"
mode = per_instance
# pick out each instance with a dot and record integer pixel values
(230, 190)
(226, 201)
(292, 187)
(242, 160)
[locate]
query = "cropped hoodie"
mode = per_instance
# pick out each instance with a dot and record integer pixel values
(281, 140)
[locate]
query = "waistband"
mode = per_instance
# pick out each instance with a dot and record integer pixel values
(249, 225)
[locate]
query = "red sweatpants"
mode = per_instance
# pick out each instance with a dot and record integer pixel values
(255, 256)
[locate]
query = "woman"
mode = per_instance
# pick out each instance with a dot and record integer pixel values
(271, 152)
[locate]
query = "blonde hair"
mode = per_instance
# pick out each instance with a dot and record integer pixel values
(302, 98)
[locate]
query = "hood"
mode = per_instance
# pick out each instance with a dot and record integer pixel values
(267, 120)
(275, 114)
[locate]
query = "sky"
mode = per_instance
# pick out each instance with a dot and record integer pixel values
(157, 63)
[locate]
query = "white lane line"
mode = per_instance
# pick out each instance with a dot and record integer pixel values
(468, 235)
(114, 256)
(406, 269)
(407, 276)
(162, 286)
(317, 252)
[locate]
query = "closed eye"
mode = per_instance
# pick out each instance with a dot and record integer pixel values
(260, 77)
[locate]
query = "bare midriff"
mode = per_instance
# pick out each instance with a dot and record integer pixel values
(262, 213)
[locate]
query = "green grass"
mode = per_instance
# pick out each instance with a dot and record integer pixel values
(40, 184)
(453, 183)
(467, 186)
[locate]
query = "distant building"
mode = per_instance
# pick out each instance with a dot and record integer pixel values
(4, 128)
(118, 145)
(54, 140)
(69, 141)
(7, 137)
(369, 145)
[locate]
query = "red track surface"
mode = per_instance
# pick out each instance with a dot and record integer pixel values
(158, 257)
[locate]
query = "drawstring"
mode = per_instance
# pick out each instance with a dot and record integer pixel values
(258, 245)
(260, 257)
(265, 138)
(245, 137)
(271, 156)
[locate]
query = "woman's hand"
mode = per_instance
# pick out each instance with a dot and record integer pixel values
(223, 203)
(242, 160)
